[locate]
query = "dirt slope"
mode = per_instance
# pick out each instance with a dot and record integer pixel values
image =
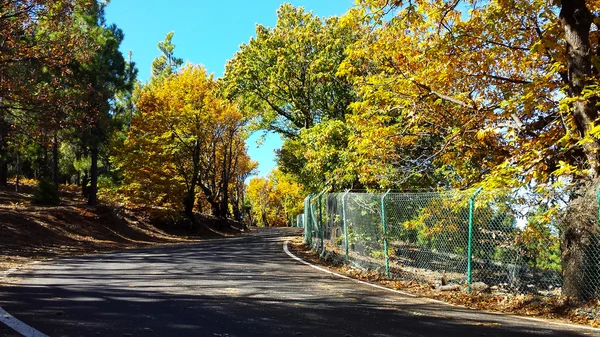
(30, 232)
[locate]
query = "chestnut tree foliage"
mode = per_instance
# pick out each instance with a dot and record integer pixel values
(419, 94)
(442, 94)
(499, 93)
(185, 141)
(275, 199)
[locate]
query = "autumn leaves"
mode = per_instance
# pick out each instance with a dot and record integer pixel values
(186, 140)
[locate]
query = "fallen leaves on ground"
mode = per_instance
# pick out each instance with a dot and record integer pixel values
(33, 232)
(556, 307)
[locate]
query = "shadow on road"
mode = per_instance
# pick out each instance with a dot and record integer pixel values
(238, 287)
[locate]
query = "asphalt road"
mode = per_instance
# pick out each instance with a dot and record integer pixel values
(235, 287)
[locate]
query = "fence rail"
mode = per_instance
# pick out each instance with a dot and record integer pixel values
(461, 237)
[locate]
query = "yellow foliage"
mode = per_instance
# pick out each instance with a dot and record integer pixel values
(185, 138)
(274, 199)
(454, 97)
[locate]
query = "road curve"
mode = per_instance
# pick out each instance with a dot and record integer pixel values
(236, 287)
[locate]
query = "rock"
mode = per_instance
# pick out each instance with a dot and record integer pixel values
(448, 287)
(479, 287)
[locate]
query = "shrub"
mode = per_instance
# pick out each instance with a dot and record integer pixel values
(46, 193)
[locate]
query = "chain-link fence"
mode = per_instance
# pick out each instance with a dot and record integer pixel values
(459, 237)
(299, 221)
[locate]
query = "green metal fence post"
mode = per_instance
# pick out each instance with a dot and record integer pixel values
(310, 222)
(321, 227)
(598, 219)
(385, 241)
(344, 223)
(305, 211)
(470, 243)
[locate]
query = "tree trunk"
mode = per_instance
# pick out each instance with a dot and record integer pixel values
(84, 182)
(578, 235)
(188, 205)
(210, 198)
(224, 201)
(214, 207)
(55, 171)
(579, 242)
(44, 169)
(237, 214)
(224, 205)
(190, 198)
(4, 130)
(18, 169)
(3, 172)
(93, 190)
(263, 216)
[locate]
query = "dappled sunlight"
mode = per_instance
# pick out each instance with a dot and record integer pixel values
(240, 287)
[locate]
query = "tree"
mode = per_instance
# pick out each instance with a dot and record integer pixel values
(166, 64)
(287, 77)
(244, 168)
(184, 138)
(223, 157)
(104, 76)
(480, 93)
(42, 40)
(287, 74)
(274, 199)
(319, 157)
(257, 193)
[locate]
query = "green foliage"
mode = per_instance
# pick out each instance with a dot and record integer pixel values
(287, 74)
(539, 242)
(166, 64)
(318, 157)
(46, 193)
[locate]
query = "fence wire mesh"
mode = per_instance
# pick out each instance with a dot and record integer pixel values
(300, 221)
(459, 237)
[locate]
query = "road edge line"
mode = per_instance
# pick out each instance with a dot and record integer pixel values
(535, 319)
(10, 320)
(18, 326)
(287, 251)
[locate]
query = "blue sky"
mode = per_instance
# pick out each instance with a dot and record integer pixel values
(207, 32)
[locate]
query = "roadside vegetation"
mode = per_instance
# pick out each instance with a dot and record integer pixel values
(406, 95)
(440, 96)
(33, 232)
(91, 158)
(531, 305)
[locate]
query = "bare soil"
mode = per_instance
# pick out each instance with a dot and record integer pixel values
(31, 232)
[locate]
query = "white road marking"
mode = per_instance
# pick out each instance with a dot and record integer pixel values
(287, 251)
(539, 320)
(12, 322)
(19, 326)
